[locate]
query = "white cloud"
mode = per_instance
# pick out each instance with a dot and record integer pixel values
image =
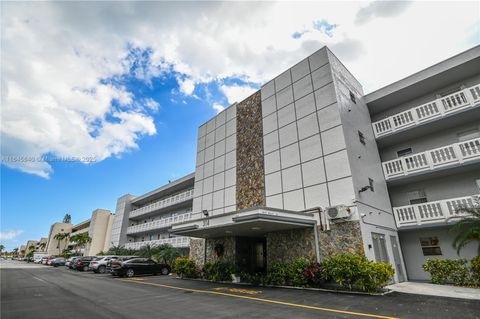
(10, 234)
(152, 104)
(218, 107)
(53, 99)
(237, 93)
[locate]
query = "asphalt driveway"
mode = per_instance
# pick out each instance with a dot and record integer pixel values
(44, 292)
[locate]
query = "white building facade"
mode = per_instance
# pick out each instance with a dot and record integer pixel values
(309, 166)
(147, 219)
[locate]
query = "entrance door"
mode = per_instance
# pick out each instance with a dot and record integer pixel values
(397, 259)
(259, 257)
(250, 254)
(380, 247)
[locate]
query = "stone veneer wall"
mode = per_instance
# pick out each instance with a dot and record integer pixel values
(229, 249)
(197, 250)
(285, 246)
(250, 190)
(343, 237)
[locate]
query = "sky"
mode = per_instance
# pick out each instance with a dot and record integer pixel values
(100, 99)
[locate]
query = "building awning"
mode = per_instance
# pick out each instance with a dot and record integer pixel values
(254, 222)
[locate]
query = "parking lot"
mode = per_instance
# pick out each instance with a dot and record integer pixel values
(38, 291)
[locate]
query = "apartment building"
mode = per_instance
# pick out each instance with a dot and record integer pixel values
(309, 166)
(147, 219)
(55, 246)
(98, 228)
(427, 129)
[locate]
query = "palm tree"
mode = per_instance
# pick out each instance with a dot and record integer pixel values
(42, 245)
(167, 254)
(15, 251)
(148, 251)
(60, 237)
(1, 248)
(31, 250)
(468, 228)
(80, 240)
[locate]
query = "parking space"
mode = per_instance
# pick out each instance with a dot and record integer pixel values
(29, 291)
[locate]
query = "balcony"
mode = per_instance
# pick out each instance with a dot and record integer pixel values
(178, 242)
(167, 202)
(158, 224)
(453, 154)
(441, 211)
(441, 107)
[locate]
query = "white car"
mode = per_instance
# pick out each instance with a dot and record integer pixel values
(99, 264)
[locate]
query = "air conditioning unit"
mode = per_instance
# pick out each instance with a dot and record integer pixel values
(339, 212)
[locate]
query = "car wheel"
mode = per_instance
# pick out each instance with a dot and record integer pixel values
(101, 269)
(130, 273)
(85, 268)
(165, 271)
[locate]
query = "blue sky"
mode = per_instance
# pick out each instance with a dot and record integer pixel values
(130, 85)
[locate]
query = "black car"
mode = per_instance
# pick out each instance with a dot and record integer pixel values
(82, 263)
(138, 266)
(72, 263)
(119, 258)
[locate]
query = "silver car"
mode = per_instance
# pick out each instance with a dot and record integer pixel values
(99, 264)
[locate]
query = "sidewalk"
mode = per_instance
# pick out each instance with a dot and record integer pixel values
(421, 288)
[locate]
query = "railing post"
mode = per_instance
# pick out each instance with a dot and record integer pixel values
(458, 152)
(417, 214)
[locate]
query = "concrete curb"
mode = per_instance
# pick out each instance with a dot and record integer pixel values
(292, 287)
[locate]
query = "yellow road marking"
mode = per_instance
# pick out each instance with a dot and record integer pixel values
(240, 291)
(278, 302)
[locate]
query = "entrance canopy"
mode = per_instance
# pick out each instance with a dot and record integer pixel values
(253, 222)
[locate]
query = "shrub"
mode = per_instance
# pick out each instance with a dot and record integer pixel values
(218, 271)
(298, 272)
(444, 271)
(254, 279)
(185, 267)
(279, 274)
(475, 269)
(356, 272)
(314, 274)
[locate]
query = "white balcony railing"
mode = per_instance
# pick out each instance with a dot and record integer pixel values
(169, 201)
(175, 242)
(435, 109)
(433, 212)
(457, 153)
(158, 224)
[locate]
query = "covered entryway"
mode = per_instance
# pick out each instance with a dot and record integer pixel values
(242, 235)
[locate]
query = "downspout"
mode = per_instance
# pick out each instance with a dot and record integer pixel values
(315, 229)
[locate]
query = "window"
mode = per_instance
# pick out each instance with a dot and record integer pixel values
(404, 152)
(430, 246)
(361, 137)
(352, 97)
(417, 197)
(370, 183)
(380, 247)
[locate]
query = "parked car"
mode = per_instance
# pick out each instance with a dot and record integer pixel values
(49, 260)
(43, 261)
(72, 264)
(58, 262)
(68, 262)
(99, 264)
(119, 258)
(138, 266)
(82, 263)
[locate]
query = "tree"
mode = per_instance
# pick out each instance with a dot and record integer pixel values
(167, 254)
(15, 252)
(80, 240)
(1, 248)
(148, 251)
(60, 237)
(468, 228)
(67, 219)
(31, 250)
(42, 245)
